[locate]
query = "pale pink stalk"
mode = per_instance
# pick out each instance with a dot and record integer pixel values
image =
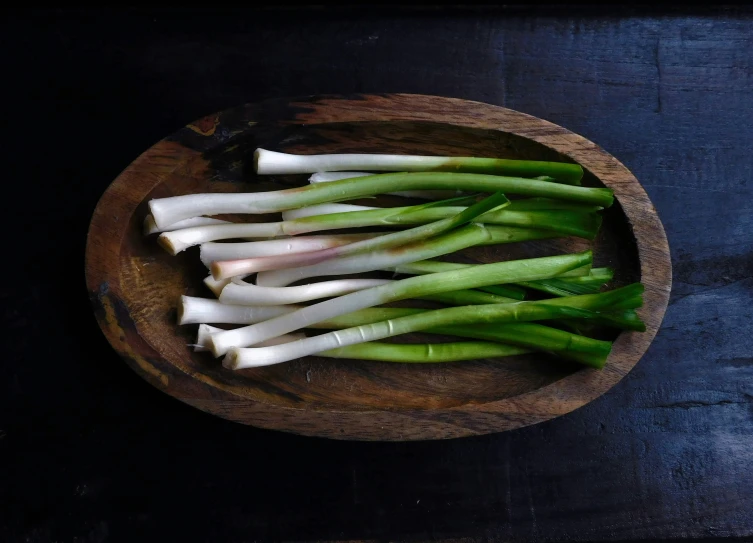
(224, 269)
(213, 252)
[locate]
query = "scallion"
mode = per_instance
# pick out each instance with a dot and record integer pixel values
(212, 252)
(176, 208)
(241, 293)
(325, 177)
(238, 358)
(274, 163)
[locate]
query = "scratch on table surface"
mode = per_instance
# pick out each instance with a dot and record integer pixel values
(690, 404)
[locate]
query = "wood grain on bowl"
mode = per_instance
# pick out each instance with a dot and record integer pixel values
(134, 284)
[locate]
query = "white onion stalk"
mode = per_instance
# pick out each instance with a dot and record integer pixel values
(180, 240)
(176, 208)
(192, 310)
(215, 285)
(272, 163)
(322, 209)
(391, 352)
(240, 358)
(240, 293)
(402, 240)
(150, 227)
(213, 252)
(413, 287)
(205, 330)
(324, 177)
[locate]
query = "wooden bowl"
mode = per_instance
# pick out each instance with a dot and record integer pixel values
(135, 285)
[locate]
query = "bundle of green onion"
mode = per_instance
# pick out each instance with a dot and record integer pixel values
(487, 305)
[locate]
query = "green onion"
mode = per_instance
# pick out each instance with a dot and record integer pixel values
(538, 337)
(591, 352)
(509, 291)
(272, 163)
(468, 297)
(572, 307)
(569, 286)
(170, 210)
(192, 310)
(325, 177)
(150, 227)
(559, 286)
(393, 352)
(238, 358)
(239, 292)
(426, 353)
(412, 287)
(549, 204)
(624, 319)
(211, 252)
(527, 204)
(205, 331)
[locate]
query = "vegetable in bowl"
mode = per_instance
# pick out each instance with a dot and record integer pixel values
(487, 303)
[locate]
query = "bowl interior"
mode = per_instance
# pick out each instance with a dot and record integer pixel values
(152, 280)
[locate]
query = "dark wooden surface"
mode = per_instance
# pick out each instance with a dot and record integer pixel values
(89, 452)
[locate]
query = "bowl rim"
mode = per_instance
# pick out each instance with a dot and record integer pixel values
(550, 401)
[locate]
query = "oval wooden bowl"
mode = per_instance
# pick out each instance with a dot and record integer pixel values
(134, 284)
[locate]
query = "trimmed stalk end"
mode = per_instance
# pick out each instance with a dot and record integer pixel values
(205, 331)
(257, 154)
(231, 361)
(608, 197)
(214, 285)
(182, 308)
(150, 227)
(170, 243)
(577, 169)
(216, 346)
(223, 270)
(156, 209)
(203, 257)
(216, 270)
